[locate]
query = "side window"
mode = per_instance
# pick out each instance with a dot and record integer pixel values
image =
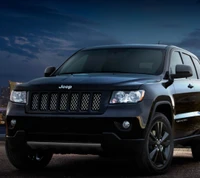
(197, 64)
(175, 59)
(188, 61)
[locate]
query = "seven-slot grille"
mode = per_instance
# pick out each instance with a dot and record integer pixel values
(74, 101)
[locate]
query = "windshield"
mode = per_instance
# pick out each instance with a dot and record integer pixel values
(120, 60)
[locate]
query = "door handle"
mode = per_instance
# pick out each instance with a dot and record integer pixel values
(190, 86)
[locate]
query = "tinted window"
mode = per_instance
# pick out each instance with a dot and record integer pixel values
(188, 61)
(119, 60)
(175, 59)
(197, 64)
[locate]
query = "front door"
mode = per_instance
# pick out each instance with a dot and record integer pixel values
(184, 97)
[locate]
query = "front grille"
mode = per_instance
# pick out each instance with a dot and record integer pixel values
(53, 101)
(34, 103)
(65, 102)
(85, 102)
(43, 103)
(74, 102)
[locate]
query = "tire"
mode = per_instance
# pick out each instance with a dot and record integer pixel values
(196, 151)
(157, 152)
(27, 158)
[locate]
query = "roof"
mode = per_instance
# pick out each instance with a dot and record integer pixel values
(154, 46)
(151, 46)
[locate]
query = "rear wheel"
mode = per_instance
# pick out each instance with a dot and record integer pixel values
(157, 152)
(27, 158)
(196, 151)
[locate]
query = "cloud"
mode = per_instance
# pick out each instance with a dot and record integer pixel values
(35, 35)
(58, 44)
(23, 70)
(17, 69)
(192, 40)
(41, 28)
(21, 40)
(6, 39)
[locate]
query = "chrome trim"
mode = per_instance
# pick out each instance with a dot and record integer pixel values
(65, 87)
(187, 138)
(141, 121)
(187, 115)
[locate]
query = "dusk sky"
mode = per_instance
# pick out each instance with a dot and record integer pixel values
(35, 34)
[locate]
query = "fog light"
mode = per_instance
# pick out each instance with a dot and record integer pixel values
(126, 124)
(13, 122)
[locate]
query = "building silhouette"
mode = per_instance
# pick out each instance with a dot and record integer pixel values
(4, 96)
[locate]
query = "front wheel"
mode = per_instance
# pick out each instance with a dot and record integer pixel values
(157, 152)
(27, 158)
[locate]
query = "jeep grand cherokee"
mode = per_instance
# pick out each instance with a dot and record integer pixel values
(132, 100)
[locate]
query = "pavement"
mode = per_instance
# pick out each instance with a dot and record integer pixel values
(71, 166)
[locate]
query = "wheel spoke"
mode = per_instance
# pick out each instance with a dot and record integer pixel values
(152, 142)
(159, 143)
(161, 157)
(152, 136)
(166, 152)
(164, 137)
(35, 156)
(159, 127)
(152, 154)
(152, 139)
(38, 157)
(166, 143)
(156, 157)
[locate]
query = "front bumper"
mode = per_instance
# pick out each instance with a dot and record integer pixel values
(110, 143)
(77, 133)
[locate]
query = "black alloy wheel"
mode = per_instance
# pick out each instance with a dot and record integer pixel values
(157, 152)
(159, 144)
(26, 158)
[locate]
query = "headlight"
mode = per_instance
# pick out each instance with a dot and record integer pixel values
(127, 96)
(18, 96)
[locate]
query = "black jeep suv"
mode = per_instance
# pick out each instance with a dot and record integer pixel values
(132, 100)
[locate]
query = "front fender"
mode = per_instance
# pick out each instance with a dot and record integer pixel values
(160, 102)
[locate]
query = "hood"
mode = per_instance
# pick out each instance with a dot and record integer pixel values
(89, 81)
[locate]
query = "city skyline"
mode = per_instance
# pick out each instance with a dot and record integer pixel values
(37, 34)
(4, 96)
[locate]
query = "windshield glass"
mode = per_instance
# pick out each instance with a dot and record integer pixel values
(120, 60)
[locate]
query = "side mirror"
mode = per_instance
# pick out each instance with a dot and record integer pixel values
(48, 71)
(183, 71)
